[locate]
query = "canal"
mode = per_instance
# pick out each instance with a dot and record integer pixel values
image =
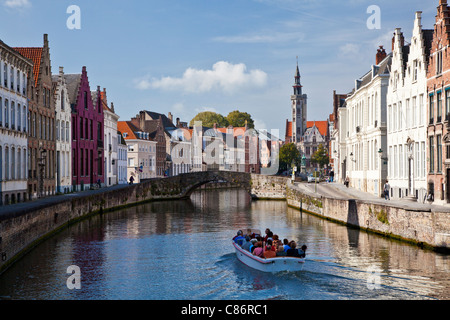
(181, 250)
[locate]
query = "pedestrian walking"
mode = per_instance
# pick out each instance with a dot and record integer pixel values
(386, 189)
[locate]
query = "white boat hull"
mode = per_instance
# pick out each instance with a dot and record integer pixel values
(269, 265)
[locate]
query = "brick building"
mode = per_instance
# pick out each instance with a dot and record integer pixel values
(41, 139)
(87, 132)
(438, 90)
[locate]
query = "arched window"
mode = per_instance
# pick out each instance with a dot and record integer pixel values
(13, 115)
(19, 164)
(13, 163)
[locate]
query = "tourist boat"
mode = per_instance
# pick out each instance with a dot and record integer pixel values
(273, 265)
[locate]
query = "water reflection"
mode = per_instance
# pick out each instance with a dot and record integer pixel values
(181, 250)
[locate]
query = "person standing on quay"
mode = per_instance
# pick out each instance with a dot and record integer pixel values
(386, 189)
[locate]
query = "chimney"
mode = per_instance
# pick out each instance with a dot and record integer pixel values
(61, 70)
(178, 122)
(112, 107)
(381, 55)
(215, 126)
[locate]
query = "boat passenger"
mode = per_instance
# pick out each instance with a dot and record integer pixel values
(239, 233)
(293, 252)
(239, 239)
(269, 253)
(276, 241)
(250, 233)
(267, 234)
(247, 243)
(258, 250)
(269, 244)
(302, 251)
(280, 252)
(252, 245)
(286, 245)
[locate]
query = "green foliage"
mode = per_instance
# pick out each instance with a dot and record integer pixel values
(289, 154)
(209, 118)
(321, 157)
(238, 119)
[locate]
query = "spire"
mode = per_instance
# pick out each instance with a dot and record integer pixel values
(297, 86)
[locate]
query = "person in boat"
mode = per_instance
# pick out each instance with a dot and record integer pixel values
(302, 251)
(276, 241)
(293, 252)
(280, 252)
(239, 239)
(252, 245)
(269, 245)
(286, 245)
(258, 251)
(247, 243)
(250, 233)
(267, 234)
(269, 253)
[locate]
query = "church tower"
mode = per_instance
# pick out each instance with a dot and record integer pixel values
(299, 109)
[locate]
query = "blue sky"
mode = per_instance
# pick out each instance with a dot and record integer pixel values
(187, 56)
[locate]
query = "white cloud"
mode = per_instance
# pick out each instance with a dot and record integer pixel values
(17, 4)
(223, 76)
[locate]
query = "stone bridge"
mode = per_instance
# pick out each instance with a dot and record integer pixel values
(182, 186)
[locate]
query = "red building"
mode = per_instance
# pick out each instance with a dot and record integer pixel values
(438, 87)
(87, 132)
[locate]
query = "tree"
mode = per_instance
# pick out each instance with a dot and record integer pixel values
(237, 119)
(289, 154)
(209, 118)
(321, 157)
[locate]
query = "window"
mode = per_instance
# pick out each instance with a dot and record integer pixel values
(439, 107)
(11, 75)
(85, 100)
(1, 112)
(431, 111)
(415, 70)
(18, 81)
(447, 104)
(423, 160)
(431, 144)
(6, 113)
(439, 63)
(57, 130)
(439, 153)
(19, 117)
(414, 112)
(62, 100)
(400, 115)
(13, 115)
(5, 75)
(81, 128)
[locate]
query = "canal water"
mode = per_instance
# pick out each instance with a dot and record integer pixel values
(181, 250)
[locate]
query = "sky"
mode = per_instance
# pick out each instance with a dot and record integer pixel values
(188, 56)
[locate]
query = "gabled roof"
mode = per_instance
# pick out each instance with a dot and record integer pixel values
(166, 121)
(34, 54)
(73, 85)
(321, 125)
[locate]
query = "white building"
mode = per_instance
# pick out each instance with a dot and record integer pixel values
(63, 134)
(122, 158)
(14, 69)
(141, 154)
(363, 137)
(111, 141)
(406, 116)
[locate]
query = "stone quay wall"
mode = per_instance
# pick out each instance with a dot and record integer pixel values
(425, 228)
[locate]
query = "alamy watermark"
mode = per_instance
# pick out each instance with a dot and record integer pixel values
(74, 20)
(374, 21)
(74, 280)
(374, 278)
